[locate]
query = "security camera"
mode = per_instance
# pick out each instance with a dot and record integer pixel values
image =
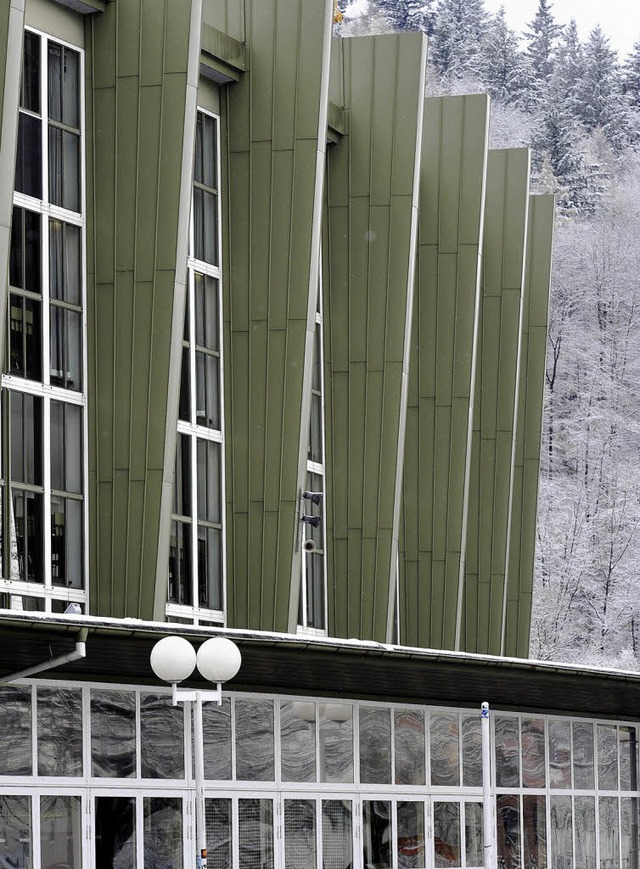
(316, 521)
(314, 497)
(309, 545)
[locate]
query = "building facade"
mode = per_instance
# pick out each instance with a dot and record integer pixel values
(273, 333)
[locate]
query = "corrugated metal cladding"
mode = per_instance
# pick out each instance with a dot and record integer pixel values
(434, 286)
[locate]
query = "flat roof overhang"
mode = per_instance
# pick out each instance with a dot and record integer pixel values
(118, 652)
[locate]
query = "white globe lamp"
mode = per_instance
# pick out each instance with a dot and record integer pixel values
(219, 659)
(173, 659)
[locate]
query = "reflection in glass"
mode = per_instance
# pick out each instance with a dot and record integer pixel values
(534, 831)
(64, 168)
(337, 835)
(162, 832)
(25, 337)
(561, 833)
(445, 749)
(609, 833)
(30, 82)
(559, 754)
(255, 834)
(297, 741)
(628, 758)
(584, 810)
(473, 834)
(583, 768)
(60, 832)
(409, 747)
(410, 842)
(161, 737)
(299, 834)
(471, 751)
(180, 546)
(507, 752)
(59, 731)
(66, 447)
(66, 542)
(115, 835)
(607, 757)
(24, 256)
(15, 832)
(254, 740)
(15, 731)
(26, 438)
(113, 734)
(63, 86)
(629, 832)
(446, 834)
(375, 745)
(218, 824)
(508, 826)
(376, 834)
(533, 753)
(28, 177)
(336, 743)
(216, 723)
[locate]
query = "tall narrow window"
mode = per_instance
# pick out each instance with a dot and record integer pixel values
(43, 400)
(313, 604)
(196, 556)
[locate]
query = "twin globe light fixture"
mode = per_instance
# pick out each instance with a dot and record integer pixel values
(174, 659)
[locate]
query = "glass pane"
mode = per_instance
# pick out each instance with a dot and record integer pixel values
(314, 581)
(336, 743)
(629, 832)
(561, 833)
(15, 731)
(560, 754)
(28, 178)
(15, 832)
(446, 834)
(66, 447)
(161, 737)
(209, 487)
(66, 542)
(210, 568)
(24, 261)
(30, 84)
(115, 836)
(218, 824)
(507, 752)
(59, 731)
(113, 734)
(254, 740)
(180, 561)
(27, 537)
(533, 753)
(585, 821)
(628, 757)
(445, 749)
(65, 351)
(63, 91)
(204, 170)
(471, 751)
(60, 832)
(337, 834)
(64, 262)
(375, 745)
(410, 842)
(206, 316)
(508, 824)
(205, 226)
(25, 337)
(609, 832)
(376, 834)
(255, 834)
(534, 828)
(64, 150)
(26, 438)
(315, 430)
(409, 747)
(298, 741)
(182, 479)
(607, 757)
(207, 390)
(473, 834)
(583, 768)
(216, 723)
(299, 834)
(162, 833)
(184, 409)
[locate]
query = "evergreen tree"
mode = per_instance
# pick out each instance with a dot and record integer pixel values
(600, 101)
(631, 76)
(458, 32)
(503, 69)
(542, 37)
(409, 14)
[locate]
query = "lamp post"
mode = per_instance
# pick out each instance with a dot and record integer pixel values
(173, 659)
(487, 796)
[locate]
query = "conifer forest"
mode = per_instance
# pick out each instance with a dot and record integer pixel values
(576, 104)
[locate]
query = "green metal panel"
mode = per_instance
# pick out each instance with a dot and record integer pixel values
(435, 484)
(495, 404)
(530, 406)
(141, 88)
(11, 28)
(276, 130)
(372, 208)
